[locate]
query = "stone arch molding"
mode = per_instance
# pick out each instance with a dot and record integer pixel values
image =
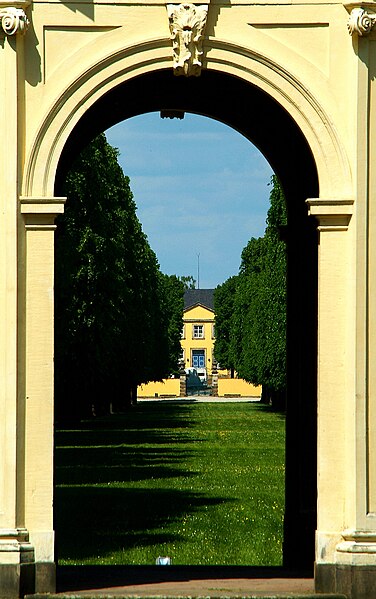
(122, 65)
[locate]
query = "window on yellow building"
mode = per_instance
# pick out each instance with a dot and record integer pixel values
(183, 332)
(198, 331)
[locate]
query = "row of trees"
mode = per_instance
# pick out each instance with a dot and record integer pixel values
(250, 309)
(118, 318)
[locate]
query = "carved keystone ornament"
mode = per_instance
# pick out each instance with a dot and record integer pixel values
(361, 21)
(187, 24)
(13, 20)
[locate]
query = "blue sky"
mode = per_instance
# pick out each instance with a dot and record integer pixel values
(200, 188)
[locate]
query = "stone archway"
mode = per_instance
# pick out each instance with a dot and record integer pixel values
(272, 61)
(282, 142)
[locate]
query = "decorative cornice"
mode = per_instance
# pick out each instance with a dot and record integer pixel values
(40, 213)
(361, 21)
(13, 20)
(187, 23)
(357, 541)
(15, 3)
(332, 214)
(38, 205)
(16, 540)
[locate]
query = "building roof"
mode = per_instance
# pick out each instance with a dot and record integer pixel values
(202, 297)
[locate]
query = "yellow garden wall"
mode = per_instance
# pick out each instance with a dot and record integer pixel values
(237, 387)
(167, 387)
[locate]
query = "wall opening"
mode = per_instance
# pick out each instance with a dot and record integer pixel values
(260, 119)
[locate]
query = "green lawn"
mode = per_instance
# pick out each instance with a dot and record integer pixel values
(200, 482)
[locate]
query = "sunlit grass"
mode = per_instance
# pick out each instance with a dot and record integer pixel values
(200, 482)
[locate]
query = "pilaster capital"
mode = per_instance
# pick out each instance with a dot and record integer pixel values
(331, 214)
(40, 213)
(13, 19)
(361, 20)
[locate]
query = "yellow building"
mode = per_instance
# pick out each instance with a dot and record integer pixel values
(197, 360)
(198, 333)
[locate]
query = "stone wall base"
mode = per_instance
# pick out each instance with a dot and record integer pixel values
(18, 580)
(356, 582)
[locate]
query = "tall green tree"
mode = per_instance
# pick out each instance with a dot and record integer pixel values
(112, 316)
(172, 297)
(253, 338)
(274, 293)
(224, 304)
(188, 281)
(248, 314)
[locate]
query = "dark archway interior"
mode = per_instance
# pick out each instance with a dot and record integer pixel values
(263, 121)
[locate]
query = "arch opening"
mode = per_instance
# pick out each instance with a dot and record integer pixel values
(226, 98)
(257, 116)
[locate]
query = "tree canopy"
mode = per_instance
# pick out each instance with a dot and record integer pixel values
(224, 303)
(188, 281)
(117, 315)
(250, 308)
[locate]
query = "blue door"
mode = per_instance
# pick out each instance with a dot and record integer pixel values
(198, 358)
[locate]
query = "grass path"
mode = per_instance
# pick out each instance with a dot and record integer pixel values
(202, 483)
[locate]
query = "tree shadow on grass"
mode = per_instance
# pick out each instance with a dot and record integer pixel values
(114, 519)
(154, 415)
(87, 437)
(148, 423)
(137, 446)
(92, 455)
(124, 448)
(269, 409)
(95, 465)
